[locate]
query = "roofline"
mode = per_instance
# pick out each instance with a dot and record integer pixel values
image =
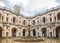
(39, 14)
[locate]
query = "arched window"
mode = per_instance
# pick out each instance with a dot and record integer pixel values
(0, 15)
(38, 22)
(58, 16)
(55, 18)
(44, 32)
(50, 19)
(0, 32)
(58, 31)
(14, 19)
(13, 31)
(19, 22)
(7, 27)
(43, 19)
(6, 34)
(7, 19)
(33, 22)
(2, 18)
(34, 32)
(24, 22)
(23, 32)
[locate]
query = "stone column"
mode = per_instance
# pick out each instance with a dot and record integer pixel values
(17, 33)
(36, 32)
(3, 33)
(26, 33)
(31, 33)
(10, 35)
(47, 32)
(54, 32)
(10, 32)
(21, 33)
(40, 32)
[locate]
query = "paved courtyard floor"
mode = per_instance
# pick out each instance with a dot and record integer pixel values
(46, 40)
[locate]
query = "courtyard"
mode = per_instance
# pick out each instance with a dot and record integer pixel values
(46, 40)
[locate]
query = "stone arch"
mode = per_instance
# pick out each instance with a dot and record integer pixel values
(43, 19)
(14, 19)
(24, 32)
(34, 32)
(44, 32)
(58, 15)
(58, 31)
(13, 32)
(7, 19)
(0, 31)
(24, 22)
(34, 22)
(0, 15)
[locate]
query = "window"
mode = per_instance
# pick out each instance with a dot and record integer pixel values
(2, 18)
(6, 34)
(38, 22)
(7, 19)
(19, 22)
(50, 14)
(7, 14)
(33, 22)
(55, 18)
(0, 15)
(58, 16)
(14, 19)
(43, 19)
(7, 27)
(50, 19)
(37, 18)
(50, 27)
(24, 22)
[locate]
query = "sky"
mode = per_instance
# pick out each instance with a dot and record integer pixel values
(30, 7)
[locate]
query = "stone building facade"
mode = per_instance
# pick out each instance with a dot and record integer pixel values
(46, 24)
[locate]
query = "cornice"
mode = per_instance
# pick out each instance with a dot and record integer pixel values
(39, 14)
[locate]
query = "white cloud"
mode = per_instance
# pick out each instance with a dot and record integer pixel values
(35, 4)
(2, 4)
(25, 2)
(28, 6)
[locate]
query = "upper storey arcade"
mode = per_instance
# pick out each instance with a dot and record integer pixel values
(8, 16)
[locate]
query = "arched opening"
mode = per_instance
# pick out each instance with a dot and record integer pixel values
(14, 19)
(24, 22)
(44, 32)
(0, 15)
(34, 22)
(58, 15)
(34, 32)
(0, 32)
(58, 31)
(23, 32)
(14, 32)
(6, 34)
(50, 19)
(43, 19)
(7, 19)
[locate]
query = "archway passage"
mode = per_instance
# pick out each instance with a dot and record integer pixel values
(44, 32)
(0, 32)
(34, 32)
(23, 32)
(58, 31)
(13, 32)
